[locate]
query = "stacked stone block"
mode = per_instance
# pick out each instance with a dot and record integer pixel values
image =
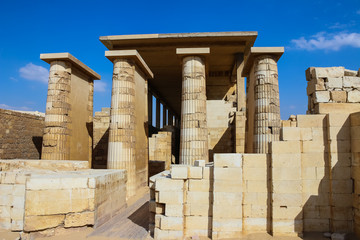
(332, 85)
(57, 131)
(341, 184)
(287, 202)
(160, 148)
(312, 132)
(20, 135)
(194, 133)
(240, 122)
(257, 195)
(355, 168)
(166, 206)
(101, 138)
(220, 123)
(267, 105)
(34, 197)
(227, 196)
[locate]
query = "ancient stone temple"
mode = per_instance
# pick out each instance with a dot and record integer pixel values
(193, 127)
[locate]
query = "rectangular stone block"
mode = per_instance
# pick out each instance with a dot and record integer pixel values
(167, 234)
(256, 224)
(200, 209)
(339, 133)
(171, 197)
(227, 198)
(313, 147)
(306, 134)
(174, 210)
(234, 174)
(285, 147)
(286, 212)
(36, 223)
(334, 82)
(179, 171)
(316, 225)
(285, 160)
(255, 174)
(287, 199)
(199, 163)
(341, 200)
(256, 198)
(200, 185)
(230, 160)
(254, 160)
(155, 207)
(195, 172)
(197, 222)
(318, 159)
(227, 211)
(79, 219)
(228, 224)
(289, 173)
(169, 184)
(306, 121)
(286, 227)
(254, 186)
(199, 197)
(288, 186)
(171, 223)
(290, 134)
(56, 182)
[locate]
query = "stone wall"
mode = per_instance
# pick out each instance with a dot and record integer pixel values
(355, 168)
(35, 198)
(20, 135)
(331, 85)
(307, 183)
(101, 138)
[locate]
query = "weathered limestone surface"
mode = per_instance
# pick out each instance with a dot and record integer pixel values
(21, 134)
(35, 197)
(69, 109)
(121, 149)
(193, 133)
(56, 139)
(355, 168)
(101, 138)
(267, 105)
(331, 85)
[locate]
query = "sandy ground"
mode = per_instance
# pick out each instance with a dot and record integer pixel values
(83, 233)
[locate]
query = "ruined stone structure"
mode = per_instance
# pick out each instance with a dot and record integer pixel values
(20, 134)
(69, 109)
(218, 159)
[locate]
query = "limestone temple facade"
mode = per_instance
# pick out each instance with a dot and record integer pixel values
(195, 118)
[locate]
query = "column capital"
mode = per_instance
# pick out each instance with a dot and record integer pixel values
(51, 57)
(192, 51)
(254, 52)
(130, 54)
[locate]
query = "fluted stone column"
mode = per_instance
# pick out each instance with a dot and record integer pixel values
(267, 106)
(56, 143)
(193, 133)
(121, 148)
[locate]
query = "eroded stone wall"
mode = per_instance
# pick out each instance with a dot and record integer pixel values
(331, 85)
(20, 135)
(101, 138)
(43, 196)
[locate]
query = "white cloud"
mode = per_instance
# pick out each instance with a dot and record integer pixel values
(35, 73)
(99, 86)
(326, 41)
(5, 106)
(292, 106)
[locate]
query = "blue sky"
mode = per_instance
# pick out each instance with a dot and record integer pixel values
(314, 33)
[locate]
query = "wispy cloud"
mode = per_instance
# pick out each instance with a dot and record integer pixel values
(34, 73)
(328, 41)
(99, 86)
(13, 79)
(5, 106)
(358, 12)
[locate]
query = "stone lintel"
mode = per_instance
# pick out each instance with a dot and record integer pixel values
(277, 52)
(192, 51)
(130, 54)
(50, 57)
